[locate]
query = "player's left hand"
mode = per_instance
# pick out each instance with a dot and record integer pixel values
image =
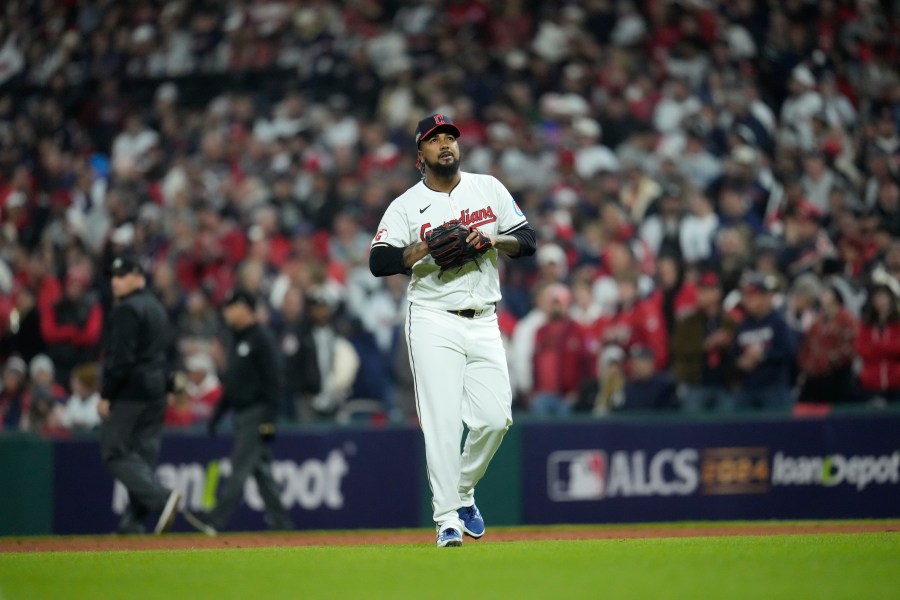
(479, 240)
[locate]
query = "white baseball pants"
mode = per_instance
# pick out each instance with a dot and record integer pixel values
(461, 377)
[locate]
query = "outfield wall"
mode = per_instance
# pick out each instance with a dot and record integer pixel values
(578, 471)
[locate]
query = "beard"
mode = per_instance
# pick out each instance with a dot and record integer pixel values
(443, 170)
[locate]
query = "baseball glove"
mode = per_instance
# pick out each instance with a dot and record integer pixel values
(449, 248)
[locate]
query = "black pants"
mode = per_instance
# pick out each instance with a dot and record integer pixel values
(835, 387)
(250, 456)
(129, 446)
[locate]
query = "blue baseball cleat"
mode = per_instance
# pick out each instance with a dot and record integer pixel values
(473, 523)
(449, 538)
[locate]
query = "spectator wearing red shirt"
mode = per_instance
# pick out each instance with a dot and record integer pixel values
(827, 352)
(636, 321)
(71, 326)
(878, 344)
(561, 361)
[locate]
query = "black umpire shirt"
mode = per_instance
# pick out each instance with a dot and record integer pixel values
(134, 356)
(254, 374)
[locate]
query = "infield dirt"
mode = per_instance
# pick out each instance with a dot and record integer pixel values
(424, 536)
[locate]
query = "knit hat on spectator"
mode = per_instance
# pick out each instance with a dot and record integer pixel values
(807, 285)
(758, 283)
(16, 365)
(41, 363)
(551, 253)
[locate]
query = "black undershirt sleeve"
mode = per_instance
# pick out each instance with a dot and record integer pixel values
(386, 260)
(527, 240)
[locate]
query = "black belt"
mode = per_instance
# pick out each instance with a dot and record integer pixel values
(468, 313)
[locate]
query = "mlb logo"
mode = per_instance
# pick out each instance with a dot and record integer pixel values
(574, 475)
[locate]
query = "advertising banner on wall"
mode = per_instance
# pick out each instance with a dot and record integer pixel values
(620, 471)
(336, 479)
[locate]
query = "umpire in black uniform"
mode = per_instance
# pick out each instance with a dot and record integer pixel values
(252, 388)
(133, 397)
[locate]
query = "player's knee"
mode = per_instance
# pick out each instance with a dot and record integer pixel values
(496, 424)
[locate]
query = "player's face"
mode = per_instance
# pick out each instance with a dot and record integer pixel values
(440, 153)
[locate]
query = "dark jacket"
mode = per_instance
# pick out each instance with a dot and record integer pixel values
(255, 372)
(772, 332)
(692, 363)
(654, 393)
(134, 356)
(301, 367)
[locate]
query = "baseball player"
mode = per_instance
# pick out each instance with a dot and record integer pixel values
(446, 233)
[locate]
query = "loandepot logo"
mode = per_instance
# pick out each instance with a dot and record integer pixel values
(310, 484)
(574, 475)
(835, 469)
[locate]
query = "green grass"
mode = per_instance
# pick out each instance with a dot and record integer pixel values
(793, 567)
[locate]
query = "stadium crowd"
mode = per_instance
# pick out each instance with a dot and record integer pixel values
(714, 184)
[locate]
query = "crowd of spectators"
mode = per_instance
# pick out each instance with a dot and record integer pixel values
(714, 185)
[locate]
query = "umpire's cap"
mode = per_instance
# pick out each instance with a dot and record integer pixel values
(433, 124)
(239, 296)
(123, 265)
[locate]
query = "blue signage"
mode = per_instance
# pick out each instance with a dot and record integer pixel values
(601, 472)
(339, 479)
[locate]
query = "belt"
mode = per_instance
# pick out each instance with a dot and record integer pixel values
(470, 313)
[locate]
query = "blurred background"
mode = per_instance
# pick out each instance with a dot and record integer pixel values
(714, 186)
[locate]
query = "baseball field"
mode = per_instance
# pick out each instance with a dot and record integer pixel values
(857, 559)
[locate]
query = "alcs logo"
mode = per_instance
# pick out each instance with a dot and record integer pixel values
(574, 475)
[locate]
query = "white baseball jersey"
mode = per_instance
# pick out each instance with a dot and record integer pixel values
(478, 201)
